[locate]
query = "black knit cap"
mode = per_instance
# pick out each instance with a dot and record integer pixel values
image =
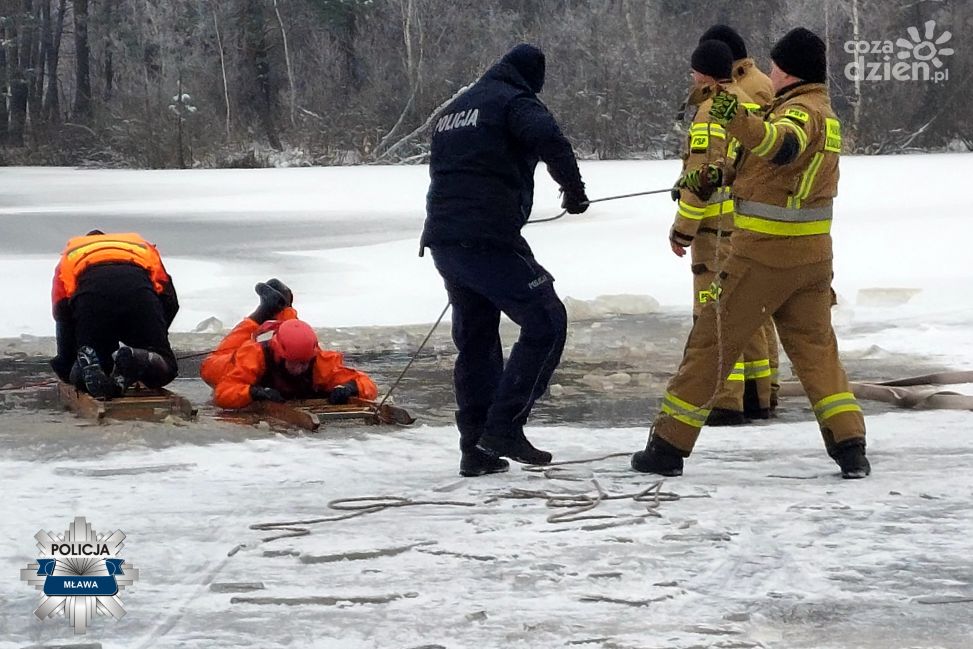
(803, 54)
(728, 35)
(529, 62)
(713, 58)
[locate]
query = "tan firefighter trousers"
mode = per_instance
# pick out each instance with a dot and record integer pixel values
(799, 299)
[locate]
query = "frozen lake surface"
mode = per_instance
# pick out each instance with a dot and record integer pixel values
(760, 544)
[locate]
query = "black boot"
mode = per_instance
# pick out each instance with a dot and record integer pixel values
(475, 462)
(283, 289)
(850, 456)
(513, 445)
(724, 417)
(271, 302)
(93, 377)
(659, 457)
(134, 365)
(751, 402)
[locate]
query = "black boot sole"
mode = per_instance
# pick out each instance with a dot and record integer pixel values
(502, 466)
(640, 464)
(513, 451)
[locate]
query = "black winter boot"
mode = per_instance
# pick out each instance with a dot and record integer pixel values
(850, 456)
(271, 302)
(513, 445)
(283, 289)
(475, 462)
(751, 402)
(724, 417)
(659, 457)
(133, 365)
(93, 377)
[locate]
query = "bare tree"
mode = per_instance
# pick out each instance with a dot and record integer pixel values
(82, 53)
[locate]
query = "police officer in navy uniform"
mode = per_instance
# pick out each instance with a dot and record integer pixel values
(485, 146)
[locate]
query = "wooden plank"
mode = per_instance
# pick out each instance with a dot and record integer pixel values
(309, 414)
(290, 413)
(80, 403)
(388, 413)
(137, 403)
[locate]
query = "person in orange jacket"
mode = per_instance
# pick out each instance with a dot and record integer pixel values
(273, 356)
(113, 303)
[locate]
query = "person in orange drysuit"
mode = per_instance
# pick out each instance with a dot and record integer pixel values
(273, 356)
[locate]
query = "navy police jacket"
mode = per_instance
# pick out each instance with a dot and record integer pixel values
(485, 146)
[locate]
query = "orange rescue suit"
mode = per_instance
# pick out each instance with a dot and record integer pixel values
(84, 252)
(240, 362)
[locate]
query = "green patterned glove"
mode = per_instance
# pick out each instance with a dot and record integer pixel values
(724, 108)
(702, 181)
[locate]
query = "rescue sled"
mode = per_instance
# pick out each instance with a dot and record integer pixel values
(310, 414)
(137, 403)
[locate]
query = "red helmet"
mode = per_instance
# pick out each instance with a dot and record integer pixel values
(294, 341)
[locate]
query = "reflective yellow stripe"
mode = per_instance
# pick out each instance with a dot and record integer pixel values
(95, 246)
(751, 107)
(738, 373)
(708, 128)
(832, 140)
(796, 130)
(770, 136)
(685, 412)
(807, 181)
(691, 212)
(759, 369)
(699, 213)
(780, 228)
(836, 404)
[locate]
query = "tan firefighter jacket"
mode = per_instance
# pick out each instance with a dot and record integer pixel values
(698, 222)
(786, 178)
(753, 81)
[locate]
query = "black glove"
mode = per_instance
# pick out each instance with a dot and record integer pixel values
(341, 394)
(575, 201)
(260, 393)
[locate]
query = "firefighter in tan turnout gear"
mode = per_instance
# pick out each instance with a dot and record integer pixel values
(705, 225)
(748, 77)
(760, 370)
(780, 264)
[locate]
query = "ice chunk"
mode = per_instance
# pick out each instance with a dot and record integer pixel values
(212, 325)
(607, 305)
(886, 296)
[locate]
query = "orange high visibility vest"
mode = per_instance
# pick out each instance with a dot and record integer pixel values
(82, 253)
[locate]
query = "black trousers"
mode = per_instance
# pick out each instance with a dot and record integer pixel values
(116, 304)
(482, 282)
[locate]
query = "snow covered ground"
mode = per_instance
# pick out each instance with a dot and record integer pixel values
(766, 546)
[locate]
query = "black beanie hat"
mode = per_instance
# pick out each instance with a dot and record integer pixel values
(713, 58)
(728, 35)
(802, 54)
(529, 62)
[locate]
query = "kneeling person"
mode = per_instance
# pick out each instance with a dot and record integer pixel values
(112, 289)
(273, 356)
